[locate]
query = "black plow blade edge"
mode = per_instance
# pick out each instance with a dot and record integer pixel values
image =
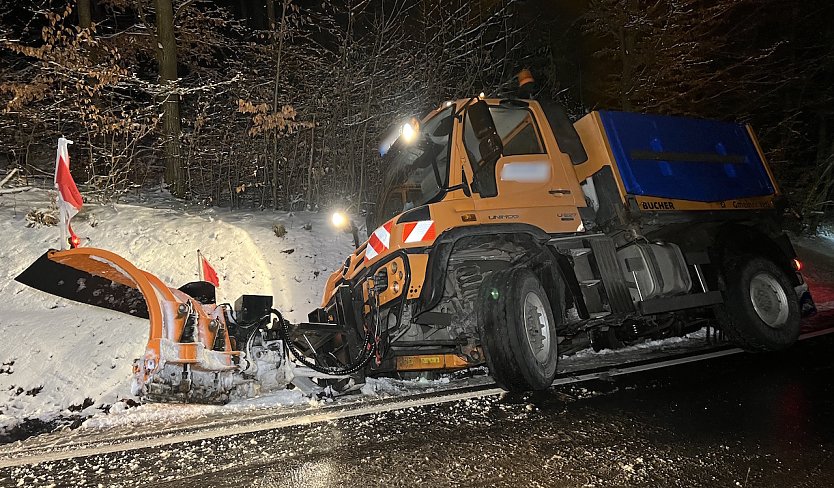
(80, 286)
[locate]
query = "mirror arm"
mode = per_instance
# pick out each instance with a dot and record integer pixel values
(464, 185)
(459, 113)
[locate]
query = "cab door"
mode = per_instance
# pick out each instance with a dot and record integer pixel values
(531, 185)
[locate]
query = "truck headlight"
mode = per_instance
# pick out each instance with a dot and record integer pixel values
(339, 220)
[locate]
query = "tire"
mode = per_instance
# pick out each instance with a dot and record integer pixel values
(761, 310)
(517, 361)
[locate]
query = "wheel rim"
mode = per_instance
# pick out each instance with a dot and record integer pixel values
(537, 327)
(769, 300)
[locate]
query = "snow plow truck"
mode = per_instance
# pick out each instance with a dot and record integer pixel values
(504, 236)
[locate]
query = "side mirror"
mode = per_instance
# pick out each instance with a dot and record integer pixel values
(490, 148)
(490, 144)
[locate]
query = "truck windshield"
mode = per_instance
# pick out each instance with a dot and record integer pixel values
(415, 172)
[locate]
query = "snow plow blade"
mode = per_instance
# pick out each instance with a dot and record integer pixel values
(190, 355)
(82, 279)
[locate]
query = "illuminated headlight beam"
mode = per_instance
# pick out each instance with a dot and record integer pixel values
(408, 132)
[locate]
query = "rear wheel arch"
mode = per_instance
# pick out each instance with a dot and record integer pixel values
(732, 241)
(726, 242)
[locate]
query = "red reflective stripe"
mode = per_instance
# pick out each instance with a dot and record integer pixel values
(375, 243)
(420, 231)
(430, 234)
(379, 241)
(408, 228)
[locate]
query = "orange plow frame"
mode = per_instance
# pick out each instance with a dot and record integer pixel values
(183, 332)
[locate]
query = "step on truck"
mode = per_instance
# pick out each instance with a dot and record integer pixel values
(504, 236)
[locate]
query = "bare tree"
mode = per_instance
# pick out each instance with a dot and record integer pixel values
(85, 19)
(167, 57)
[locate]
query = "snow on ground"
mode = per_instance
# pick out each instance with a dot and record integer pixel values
(56, 354)
(167, 414)
(633, 352)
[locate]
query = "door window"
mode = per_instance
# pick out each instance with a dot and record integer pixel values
(519, 134)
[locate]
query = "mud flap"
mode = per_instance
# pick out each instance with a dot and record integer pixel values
(807, 307)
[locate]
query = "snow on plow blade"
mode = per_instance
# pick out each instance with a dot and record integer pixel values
(190, 355)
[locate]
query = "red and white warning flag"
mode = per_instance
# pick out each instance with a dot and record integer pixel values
(69, 199)
(207, 273)
(379, 241)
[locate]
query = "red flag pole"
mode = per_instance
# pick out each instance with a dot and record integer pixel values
(62, 221)
(200, 265)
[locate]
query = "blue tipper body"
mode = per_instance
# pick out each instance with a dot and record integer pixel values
(685, 158)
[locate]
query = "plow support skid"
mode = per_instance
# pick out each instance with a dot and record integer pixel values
(189, 357)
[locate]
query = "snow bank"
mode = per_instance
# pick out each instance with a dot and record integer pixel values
(58, 356)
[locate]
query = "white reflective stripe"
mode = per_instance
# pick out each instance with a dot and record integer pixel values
(63, 154)
(419, 231)
(370, 252)
(384, 236)
(526, 172)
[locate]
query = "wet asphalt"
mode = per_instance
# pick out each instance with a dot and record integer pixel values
(747, 420)
(765, 421)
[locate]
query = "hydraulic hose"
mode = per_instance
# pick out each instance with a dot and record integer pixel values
(368, 348)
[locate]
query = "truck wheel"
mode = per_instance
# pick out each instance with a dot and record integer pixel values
(518, 331)
(761, 312)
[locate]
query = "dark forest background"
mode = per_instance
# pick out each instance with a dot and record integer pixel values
(284, 103)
